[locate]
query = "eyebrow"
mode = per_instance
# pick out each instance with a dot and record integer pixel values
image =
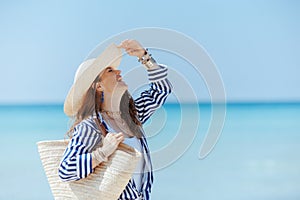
(108, 68)
(105, 70)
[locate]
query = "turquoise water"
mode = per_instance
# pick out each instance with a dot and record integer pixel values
(257, 156)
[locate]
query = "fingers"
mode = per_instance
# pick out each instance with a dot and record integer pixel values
(119, 137)
(131, 51)
(130, 44)
(132, 48)
(115, 138)
(124, 44)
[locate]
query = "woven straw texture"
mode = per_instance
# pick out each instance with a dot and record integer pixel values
(106, 182)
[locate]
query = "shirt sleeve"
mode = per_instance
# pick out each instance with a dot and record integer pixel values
(77, 159)
(153, 98)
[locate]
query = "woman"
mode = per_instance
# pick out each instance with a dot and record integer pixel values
(100, 95)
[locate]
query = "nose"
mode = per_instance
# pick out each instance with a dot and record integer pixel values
(118, 72)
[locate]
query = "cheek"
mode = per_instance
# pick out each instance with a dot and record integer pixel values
(108, 84)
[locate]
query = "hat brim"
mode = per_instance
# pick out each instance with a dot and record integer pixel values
(110, 57)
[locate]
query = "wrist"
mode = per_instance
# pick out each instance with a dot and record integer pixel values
(99, 156)
(148, 61)
(142, 53)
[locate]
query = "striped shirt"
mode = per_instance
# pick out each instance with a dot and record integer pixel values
(77, 159)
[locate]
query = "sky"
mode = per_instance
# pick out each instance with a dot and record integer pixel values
(254, 45)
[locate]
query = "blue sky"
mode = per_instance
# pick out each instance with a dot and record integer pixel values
(255, 44)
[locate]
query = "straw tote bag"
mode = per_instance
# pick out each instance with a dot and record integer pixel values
(107, 182)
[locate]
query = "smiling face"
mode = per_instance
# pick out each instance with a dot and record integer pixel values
(111, 81)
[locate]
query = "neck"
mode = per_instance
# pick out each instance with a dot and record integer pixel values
(111, 102)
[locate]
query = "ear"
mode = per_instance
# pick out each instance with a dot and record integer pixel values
(99, 87)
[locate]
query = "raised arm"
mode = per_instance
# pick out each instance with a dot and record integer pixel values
(160, 87)
(153, 98)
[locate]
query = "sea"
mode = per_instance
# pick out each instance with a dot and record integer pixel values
(256, 155)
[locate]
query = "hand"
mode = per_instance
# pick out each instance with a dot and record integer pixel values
(133, 48)
(110, 144)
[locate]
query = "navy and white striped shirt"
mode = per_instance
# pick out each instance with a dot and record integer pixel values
(77, 159)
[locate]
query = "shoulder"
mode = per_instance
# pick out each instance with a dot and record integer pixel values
(86, 135)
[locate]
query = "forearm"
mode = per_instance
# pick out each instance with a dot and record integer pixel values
(95, 162)
(97, 158)
(151, 99)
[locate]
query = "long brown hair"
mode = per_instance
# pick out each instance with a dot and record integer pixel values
(92, 102)
(129, 115)
(88, 107)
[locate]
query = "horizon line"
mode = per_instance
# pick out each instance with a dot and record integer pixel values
(166, 103)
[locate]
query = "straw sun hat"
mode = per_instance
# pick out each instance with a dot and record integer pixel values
(86, 74)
